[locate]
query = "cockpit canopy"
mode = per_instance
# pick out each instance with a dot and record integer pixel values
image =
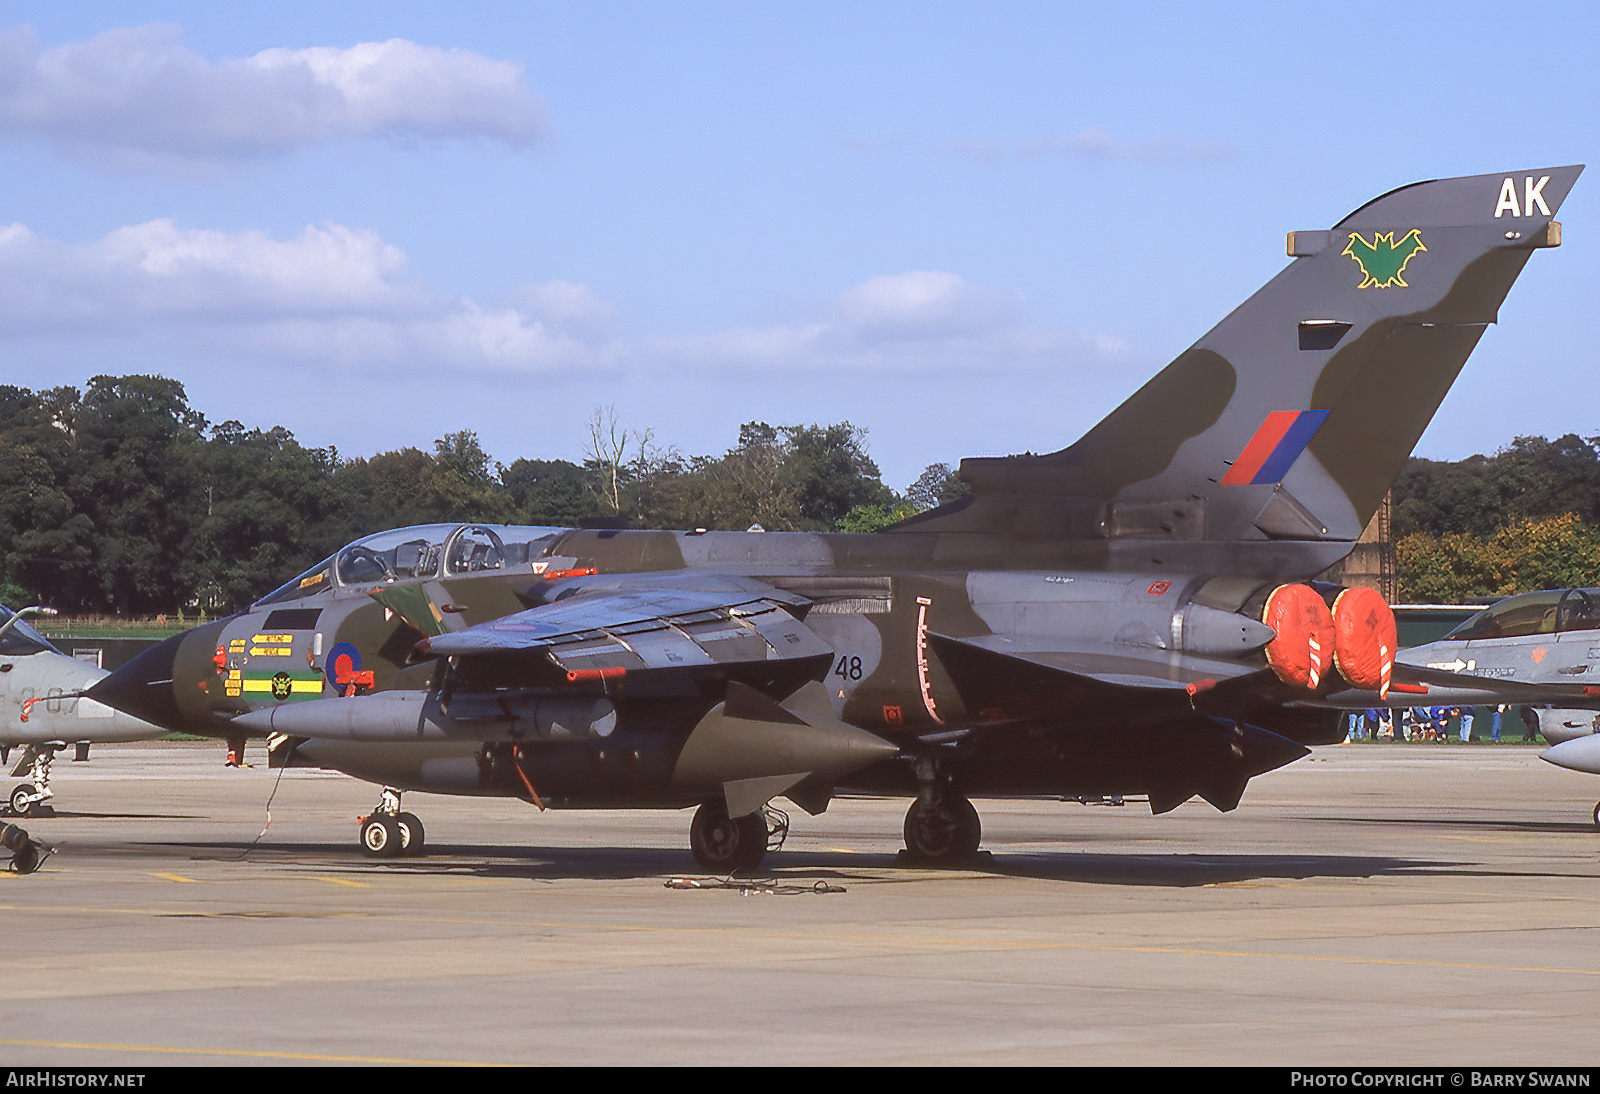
(423, 551)
(18, 639)
(1550, 611)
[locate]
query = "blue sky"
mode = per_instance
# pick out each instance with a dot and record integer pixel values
(970, 229)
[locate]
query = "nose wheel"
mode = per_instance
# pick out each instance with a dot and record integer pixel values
(22, 800)
(388, 832)
(32, 798)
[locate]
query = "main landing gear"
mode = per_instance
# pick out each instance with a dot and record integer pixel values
(388, 832)
(32, 798)
(729, 845)
(942, 827)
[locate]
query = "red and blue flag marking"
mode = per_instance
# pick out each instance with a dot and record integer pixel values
(1275, 447)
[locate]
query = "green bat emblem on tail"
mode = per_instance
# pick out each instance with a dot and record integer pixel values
(1383, 260)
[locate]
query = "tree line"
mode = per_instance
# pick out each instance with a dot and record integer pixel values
(121, 499)
(1527, 517)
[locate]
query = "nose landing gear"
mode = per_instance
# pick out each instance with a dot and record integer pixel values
(32, 798)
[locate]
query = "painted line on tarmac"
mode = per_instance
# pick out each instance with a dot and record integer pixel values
(897, 941)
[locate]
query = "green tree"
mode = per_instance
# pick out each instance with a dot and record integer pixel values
(832, 473)
(939, 483)
(49, 542)
(135, 440)
(269, 509)
(1554, 553)
(552, 492)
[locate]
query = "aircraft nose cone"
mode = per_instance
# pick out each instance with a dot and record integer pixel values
(143, 687)
(147, 686)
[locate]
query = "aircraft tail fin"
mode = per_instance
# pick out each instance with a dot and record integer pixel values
(1288, 420)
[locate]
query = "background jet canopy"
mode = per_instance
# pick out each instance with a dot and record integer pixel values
(19, 639)
(1548, 611)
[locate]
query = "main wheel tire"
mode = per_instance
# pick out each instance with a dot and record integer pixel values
(1597, 814)
(22, 803)
(380, 836)
(412, 835)
(947, 832)
(727, 844)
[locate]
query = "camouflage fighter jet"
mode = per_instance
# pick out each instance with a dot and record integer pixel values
(1126, 616)
(42, 711)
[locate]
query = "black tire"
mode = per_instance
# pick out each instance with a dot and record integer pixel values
(412, 834)
(26, 860)
(725, 844)
(949, 832)
(1597, 814)
(380, 836)
(21, 806)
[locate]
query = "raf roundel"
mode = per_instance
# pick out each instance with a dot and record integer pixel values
(344, 661)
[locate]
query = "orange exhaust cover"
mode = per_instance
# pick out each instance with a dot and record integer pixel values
(1365, 639)
(1303, 649)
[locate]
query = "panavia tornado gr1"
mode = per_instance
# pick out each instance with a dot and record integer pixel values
(1131, 615)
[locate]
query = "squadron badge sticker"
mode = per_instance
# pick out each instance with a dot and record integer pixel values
(1383, 260)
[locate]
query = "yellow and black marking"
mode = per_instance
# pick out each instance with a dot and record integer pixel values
(281, 686)
(271, 645)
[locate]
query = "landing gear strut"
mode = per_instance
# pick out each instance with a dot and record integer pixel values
(942, 827)
(388, 832)
(727, 844)
(32, 798)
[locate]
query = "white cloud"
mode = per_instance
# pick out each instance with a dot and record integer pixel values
(922, 322)
(327, 295)
(573, 308)
(340, 297)
(141, 90)
(926, 302)
(158, 271)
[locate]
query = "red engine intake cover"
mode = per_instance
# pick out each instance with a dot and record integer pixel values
(1303, 649)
